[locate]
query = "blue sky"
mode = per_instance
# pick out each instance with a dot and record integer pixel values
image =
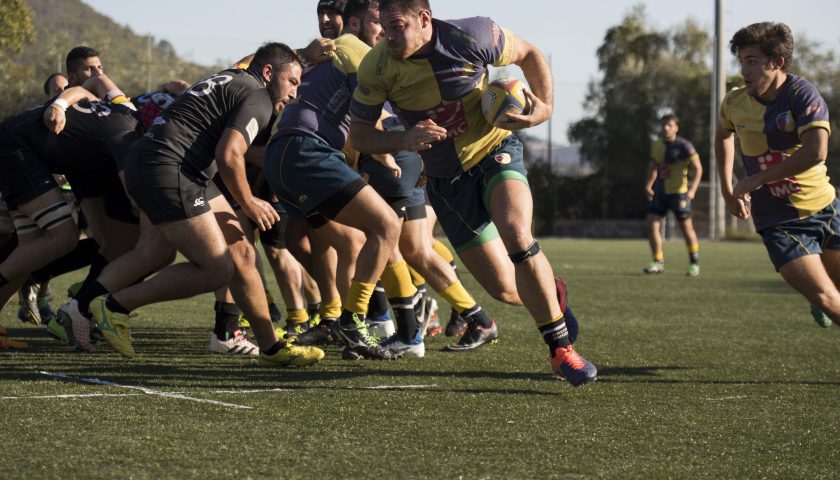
(569, 32)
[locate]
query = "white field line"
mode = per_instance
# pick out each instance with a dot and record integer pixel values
(77, 395)
(147, 391)
(376, 387)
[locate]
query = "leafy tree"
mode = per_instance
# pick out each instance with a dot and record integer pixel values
(15, 25)
(645, 73)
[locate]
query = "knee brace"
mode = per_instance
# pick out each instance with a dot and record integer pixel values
(519, 257)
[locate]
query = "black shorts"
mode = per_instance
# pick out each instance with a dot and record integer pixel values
(105, 184)
(163, 190)
(23, 177)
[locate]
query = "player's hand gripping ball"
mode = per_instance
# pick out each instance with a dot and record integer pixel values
(504, 95)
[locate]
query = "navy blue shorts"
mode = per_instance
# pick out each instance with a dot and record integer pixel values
(401, 193)
(462, 204)
(309, 175)
(678, 203)
(808, 236)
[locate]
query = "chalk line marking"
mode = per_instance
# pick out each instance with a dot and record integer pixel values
(147, 391)
(76, 395)
(297, 389)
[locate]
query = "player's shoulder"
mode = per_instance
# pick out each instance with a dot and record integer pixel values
(800, 87)
(349, 52)
(467, 34)
(735, 95)
(377, 63)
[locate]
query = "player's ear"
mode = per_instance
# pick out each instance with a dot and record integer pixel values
(267, 71)
(780, 63)
(425, 18)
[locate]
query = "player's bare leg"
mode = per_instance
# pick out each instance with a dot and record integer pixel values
(809, 276)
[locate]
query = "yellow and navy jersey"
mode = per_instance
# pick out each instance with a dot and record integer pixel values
(769, 133)
(322, 107)
(444, 86)
(672, 160)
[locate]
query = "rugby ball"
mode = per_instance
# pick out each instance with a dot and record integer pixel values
(504, 95)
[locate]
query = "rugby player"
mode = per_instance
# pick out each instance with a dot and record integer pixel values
(667, 188)
(168, 173)
(305, 166)
(407, 199)
(432, 72)
(781, 122)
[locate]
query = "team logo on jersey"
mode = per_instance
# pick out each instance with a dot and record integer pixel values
(451, 117)
(302, 198)
(253, 128)
(207, 85)
(783, 188)
(785, 122)
(96, 108)
(502, 158)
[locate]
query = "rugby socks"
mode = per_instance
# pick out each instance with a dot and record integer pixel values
(477, 315)
(331, 308)
(113, 305)
(401, 291)
(358, 298)
(274, 349)
(90, 290)
(659, 256)
(3, 281)
(313, 309)
(227, 319)
(297, 315)
(693, 253)
(554, 333)
(458, 297)
(444, 252)
(84, 253)
(416, 278)
(378, 307)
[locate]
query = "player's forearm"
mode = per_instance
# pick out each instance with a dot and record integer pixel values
(538, 73)
(698, 176)
(74, 95)
(725, 159)
(232, 171)
(375, 141)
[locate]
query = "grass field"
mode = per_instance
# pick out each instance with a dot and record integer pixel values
(725, 376)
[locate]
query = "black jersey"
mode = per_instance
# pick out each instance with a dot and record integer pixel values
(25, 130)
(188, 131)
(96, 135)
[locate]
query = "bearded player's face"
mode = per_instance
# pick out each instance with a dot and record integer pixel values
(283, 85)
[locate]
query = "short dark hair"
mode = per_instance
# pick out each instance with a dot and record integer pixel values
(667, 118)
(48, 80)
(774, 39)
(357, 8)
(275, 54)
(336, 5)
(405, 6)
(77, 56)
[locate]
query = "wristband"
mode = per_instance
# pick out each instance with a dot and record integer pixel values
(61, 103)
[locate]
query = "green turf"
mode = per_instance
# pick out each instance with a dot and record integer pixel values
(725, 375)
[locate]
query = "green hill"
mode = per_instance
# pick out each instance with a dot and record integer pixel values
(60, 25)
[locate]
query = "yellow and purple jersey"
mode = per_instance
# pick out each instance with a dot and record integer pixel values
(322, 107)
(672, 160)
(769, 133)
(444, 86)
